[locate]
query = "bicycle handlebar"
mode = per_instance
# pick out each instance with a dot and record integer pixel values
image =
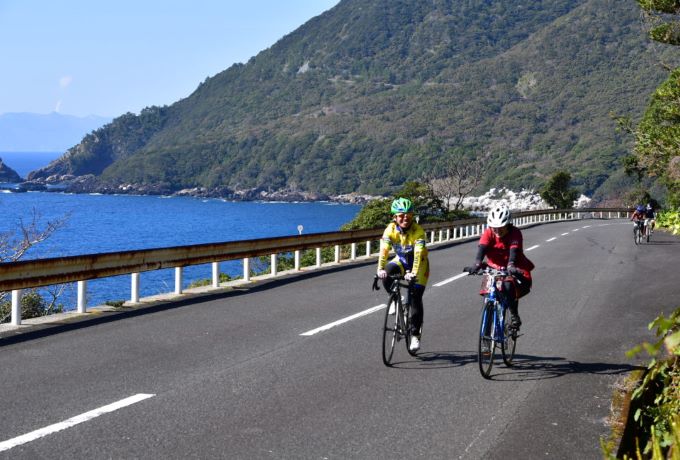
(486, 270)
(397, 278)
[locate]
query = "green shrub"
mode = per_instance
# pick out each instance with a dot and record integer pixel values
(33, 305)
(658, 421)
(669, 220)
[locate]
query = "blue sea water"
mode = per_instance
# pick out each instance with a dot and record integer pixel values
(25, 162)
(106, 223)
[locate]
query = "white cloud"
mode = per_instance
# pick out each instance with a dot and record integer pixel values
(65, 81)
(57, 108)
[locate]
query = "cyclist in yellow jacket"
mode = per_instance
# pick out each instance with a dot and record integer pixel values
(408, 240)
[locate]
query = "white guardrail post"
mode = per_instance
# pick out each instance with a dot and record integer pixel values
(82, 297)
(246, 269)
(134, 288)
(178, 280)
(16, 307)
(273, 264)
(215, 274)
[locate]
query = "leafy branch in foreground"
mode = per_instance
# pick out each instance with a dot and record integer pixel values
(13, 246)
(659, 422)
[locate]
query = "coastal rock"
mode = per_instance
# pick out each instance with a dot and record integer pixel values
(7, 174)
(525, 200)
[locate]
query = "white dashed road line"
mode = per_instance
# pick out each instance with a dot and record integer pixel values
(448, 280)
(551, 239)
(32, 436)
(344, 320)
(565, 234)
(533, 247)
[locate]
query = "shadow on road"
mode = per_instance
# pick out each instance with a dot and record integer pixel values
(660, 243)
(524, 368)
(436, 360)
(527, 367)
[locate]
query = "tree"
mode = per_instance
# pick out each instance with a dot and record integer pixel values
(657, 137)
(13, 246)
(664, 28)
(427, 205)
(456, 177)
(374, 214)
(557, 192)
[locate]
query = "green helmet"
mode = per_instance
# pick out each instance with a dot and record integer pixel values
(401, 205)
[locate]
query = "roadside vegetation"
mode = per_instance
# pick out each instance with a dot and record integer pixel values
(655, 406)
(654, 431)
(14, 244)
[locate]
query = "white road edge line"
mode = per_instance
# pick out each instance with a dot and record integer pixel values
(32, 436)
(551, 239)
(344, 320)
(533, 247)
(448, 280)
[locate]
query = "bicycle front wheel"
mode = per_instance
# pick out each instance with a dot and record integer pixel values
(635, 234)
(390, 329)
(487, 346)
(509, 342)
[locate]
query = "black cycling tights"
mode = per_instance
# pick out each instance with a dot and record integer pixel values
(417, 304)
(523, 287)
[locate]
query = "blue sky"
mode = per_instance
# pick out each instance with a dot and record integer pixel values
(108, 57)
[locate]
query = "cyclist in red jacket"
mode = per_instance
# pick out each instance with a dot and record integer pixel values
(502, 245)
(638, 217)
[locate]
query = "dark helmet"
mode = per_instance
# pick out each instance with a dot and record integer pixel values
(402, 205)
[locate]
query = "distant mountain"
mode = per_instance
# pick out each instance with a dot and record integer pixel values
(54, 132)
(373, 93)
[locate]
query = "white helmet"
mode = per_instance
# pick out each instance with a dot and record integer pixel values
(498, 216)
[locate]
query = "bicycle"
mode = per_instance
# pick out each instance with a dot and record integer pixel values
(397, 325)
(638, 231)
(494, 329)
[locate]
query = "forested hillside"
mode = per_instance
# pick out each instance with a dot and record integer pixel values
(376, 92)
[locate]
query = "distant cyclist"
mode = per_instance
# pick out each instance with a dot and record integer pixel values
(408, 239)
(502, 245)
(638, 217)
(650, 217)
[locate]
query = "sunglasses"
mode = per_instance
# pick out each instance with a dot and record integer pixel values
(403, 216)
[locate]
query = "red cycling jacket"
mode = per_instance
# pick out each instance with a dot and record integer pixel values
(498, 250)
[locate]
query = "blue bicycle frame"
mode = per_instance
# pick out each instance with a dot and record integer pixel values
(493, 329)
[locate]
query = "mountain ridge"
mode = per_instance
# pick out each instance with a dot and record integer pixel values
(383, 95)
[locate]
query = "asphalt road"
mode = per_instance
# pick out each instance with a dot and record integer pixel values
(232, 377)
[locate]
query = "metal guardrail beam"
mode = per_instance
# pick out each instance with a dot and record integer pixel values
(44, 272)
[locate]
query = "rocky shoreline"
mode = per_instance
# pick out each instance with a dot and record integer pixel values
(91, 184)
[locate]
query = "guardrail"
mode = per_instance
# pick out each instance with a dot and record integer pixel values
(17, 276)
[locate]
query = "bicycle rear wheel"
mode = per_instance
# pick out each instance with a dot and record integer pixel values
(635, 234)
(647, 232)
(390, 329)
(509, 342)
(487, 346)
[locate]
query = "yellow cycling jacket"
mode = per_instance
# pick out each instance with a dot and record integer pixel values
(410, 250)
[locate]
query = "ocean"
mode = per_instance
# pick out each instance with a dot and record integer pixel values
(25, 162)
(106, 223)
